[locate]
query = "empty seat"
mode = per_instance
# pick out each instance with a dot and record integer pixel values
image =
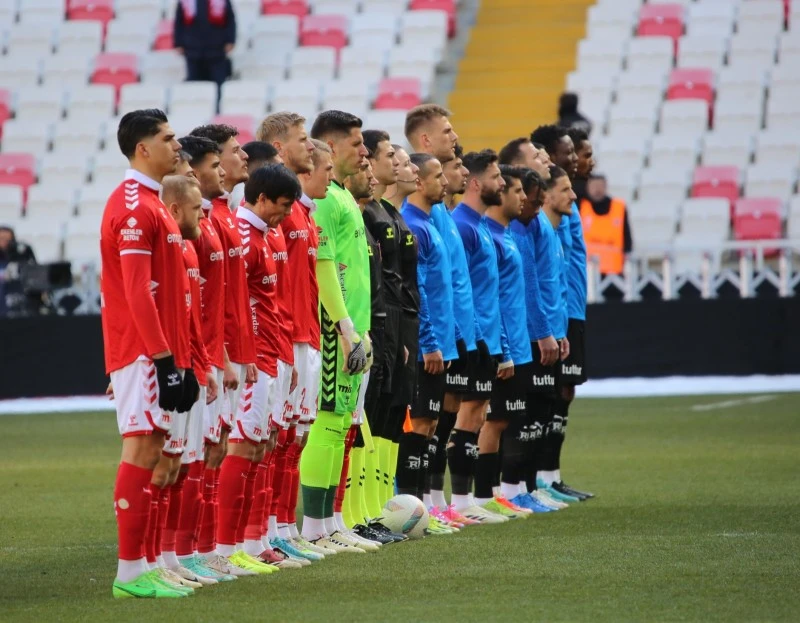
(270, 67)
(399, 93)
(11, 203)
(313, 63)
(44, 235)
(42, 11)
(80, 37)
(739, 112)
(691, 83)
(92, 199)
(146, 11)
(31, 38)
(300, 96)
(281, 31)
(771, 180)
(650, 54)
(601, 55)
(758, 205)
(375, 23)
(39, 104)
(669, 183)
(346, 8)
(82, 245)
(284, 7)
(129, 35)
(427, 28)
(138, 95)
(786, 73)
(93, 102)
(687, 116)
(361, 58)
(716, 181)
(448, 6)
(777, 146)
(96, 10)
(324, 30)
(751, 49)
(706, 218)
(413, 62)
(243, 97)
(48, 201)
(344, 95)
(760, 15)
(727, 149)
(642, 80)
(759, 220)
(193, 99)
(702, 51)
(26, 136)
(81, 135)
(711, 18)
(660, 20)
(116, 69)
(109, 170)
(635, 116)
(667, 149)
(610, 21)
(65, 70)
(164, 67)
(782, 110)
(246, 125)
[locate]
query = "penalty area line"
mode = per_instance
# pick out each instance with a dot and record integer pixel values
(727, 404)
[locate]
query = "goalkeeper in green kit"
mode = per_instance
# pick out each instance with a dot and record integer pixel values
(344, 296)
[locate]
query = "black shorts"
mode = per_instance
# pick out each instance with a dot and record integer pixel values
(573, 368)
(429, 394)
(405, 374)
(458, 382)
(544, 379)
(508, 396)
(480, 380)
(392, 349)
(375, 384)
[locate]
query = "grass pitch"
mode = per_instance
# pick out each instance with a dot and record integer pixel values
(697, 519)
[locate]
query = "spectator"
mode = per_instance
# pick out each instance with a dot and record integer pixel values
(605, 226)
(205, 33)
(568, 115)
(12, 255)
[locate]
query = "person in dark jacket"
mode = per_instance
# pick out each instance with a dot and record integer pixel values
(205, 33)
(568, 115)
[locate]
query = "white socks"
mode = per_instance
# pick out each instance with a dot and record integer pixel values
(547, 477)
(482, 501)
(252, 547)
(313, 528)
(340, 525)
(460, 502)
(226, 550)
(293, 530)
(171, 560)
(426, 500)
(272, 530)
(509, 491)
(437, 497)
(129, 570)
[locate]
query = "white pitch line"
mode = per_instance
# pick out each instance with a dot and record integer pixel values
(727, 404)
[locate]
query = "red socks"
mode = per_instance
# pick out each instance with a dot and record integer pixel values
(132, 508)
(189, 521)
(231, 490)
(207, 538)
(288, 497)
(255, 520)
(249, 488)
(338, 499)
(173, 513)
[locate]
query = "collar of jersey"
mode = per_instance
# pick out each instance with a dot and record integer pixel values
(308, 202)
(407, 205)
(251, 217)
(468, 211)
(492, 224)
(149, 182)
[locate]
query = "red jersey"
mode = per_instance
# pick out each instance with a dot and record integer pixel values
(200, 363)
(211, 259)
(285, 327)
(238, 329)
(262, 283)
(144, 289)
(302, 240)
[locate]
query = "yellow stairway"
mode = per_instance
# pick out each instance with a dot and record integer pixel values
(514, 68)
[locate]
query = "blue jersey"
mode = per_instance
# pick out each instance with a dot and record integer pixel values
(434, 274)
(512, 293)
(539, 326)
(551, 264)
(482, 264)
(575, 252)
(466, 323)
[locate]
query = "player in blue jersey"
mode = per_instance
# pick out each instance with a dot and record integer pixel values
(485, 186)
(437, 338)
(559, 146)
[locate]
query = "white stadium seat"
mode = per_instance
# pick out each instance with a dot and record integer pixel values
(243, 97)
(193, 99)
(702, 51)
(31, 137)
(77, 135)
(19, 71)
(39, 104)
(667, 149)
(313, 63)
(129, 35)
(666, 183)
(164, 67)
(650, 54)
(778, 147)
(687, 116)
(727, 149)
(299, 96)
(80, 37)
(10, 203)
(772, 179)
(65, 70)
(63, 168)
(92, 102)
(45, 235)
(142, 95)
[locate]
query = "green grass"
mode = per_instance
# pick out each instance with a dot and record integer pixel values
(697, 519)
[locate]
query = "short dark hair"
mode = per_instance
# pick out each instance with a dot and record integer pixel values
(532, 179)
(274, 181)
(259, 153)
(578, 136)
(220, 133)
(421, 160)
(510, 172)
(478, 161)
(198, 147)
(510, 151)
(458, 151)
(567, 103)
(549, 136)
(372, 138)
(555, 173)
(334, 122)
(137, 125)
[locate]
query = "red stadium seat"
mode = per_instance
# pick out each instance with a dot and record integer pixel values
(448, 6)
(691, 84)
(664, 20)
(116, 69)
(284, 7)
(758, 226)
(757, 205)
(399, 93)
(96, 10)
(716, 182)
(164, 35)
(324, 30)
(244, 123)
(18, 169)
(5, 108)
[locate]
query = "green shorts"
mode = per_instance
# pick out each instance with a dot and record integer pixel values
(338, 390)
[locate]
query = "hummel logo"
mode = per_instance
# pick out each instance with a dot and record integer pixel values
(131, 222)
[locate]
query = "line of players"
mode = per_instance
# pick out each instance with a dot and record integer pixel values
(214, 270)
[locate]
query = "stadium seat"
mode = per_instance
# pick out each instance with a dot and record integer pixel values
(711, 18)
(665, 183)
(610, 21)
(148, 11)
(324, 30)
(413, 62)
(793, 221)
(375, 23)
(243, 97)
(80, 37)
(17, 169)
(782, 110)
(640, 81)
(92, 200)
(773, 179)
(313, 63)
(634, 115)
(764, 15)
(623, 184)
(299, 96)
(284, 7)
(65, 70)
(31, 137)
(11, 202)
(687, 116)
(77, 135)
(395, 7)
(40, 104)
(392, 121)
(115, 69)
(96, 10)
(42, 11)
(50, 202)
(785, 74)
(738, 111)
(620, 152)
(340, 96)
(32, 39)
(362, 60)
(702, 51)
(424, 28)
(691, 83)
(706, 218)
(778, 147)
(164, 35)
(751, 49)
(660, 20)
(93, 102)
(82, 244)
(758, 226)
(667, 149)
(448, 6)
(727, 149)
(196, 100)
(650, 54)
(141, 95)
(716, 181)
(399, 93)
(758, 205)
(345, 8)
(129, 36)
(164, 67)
(109, 136)
(5, 107)
(280, 31)
(246, 124)
(109, 170)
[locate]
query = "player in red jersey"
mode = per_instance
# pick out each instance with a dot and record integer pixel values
(146, 336)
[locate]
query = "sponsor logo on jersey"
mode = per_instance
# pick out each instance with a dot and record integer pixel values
(174, 239)
(457, 379)
(235, 251)
(545, 380)
(280, 256)
(517, 405)
(301, 234)
(483, 387)
(434, 406)
(572, 369)
(216, 256)
(345, 389)
(269, 279)
(193, 273)
(413, 462)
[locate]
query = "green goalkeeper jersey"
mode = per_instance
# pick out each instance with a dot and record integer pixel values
(342, 238)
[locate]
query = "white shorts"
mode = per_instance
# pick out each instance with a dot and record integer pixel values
(252, 418)
(136, 400)
(212, 416)
(176, 439)
(229, 411)
(283, 409)
(358, 414)
(308, 363)
(195, 427)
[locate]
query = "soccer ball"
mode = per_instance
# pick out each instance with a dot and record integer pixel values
(406, 514)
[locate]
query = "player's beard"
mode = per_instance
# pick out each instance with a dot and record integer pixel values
(493, 198)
